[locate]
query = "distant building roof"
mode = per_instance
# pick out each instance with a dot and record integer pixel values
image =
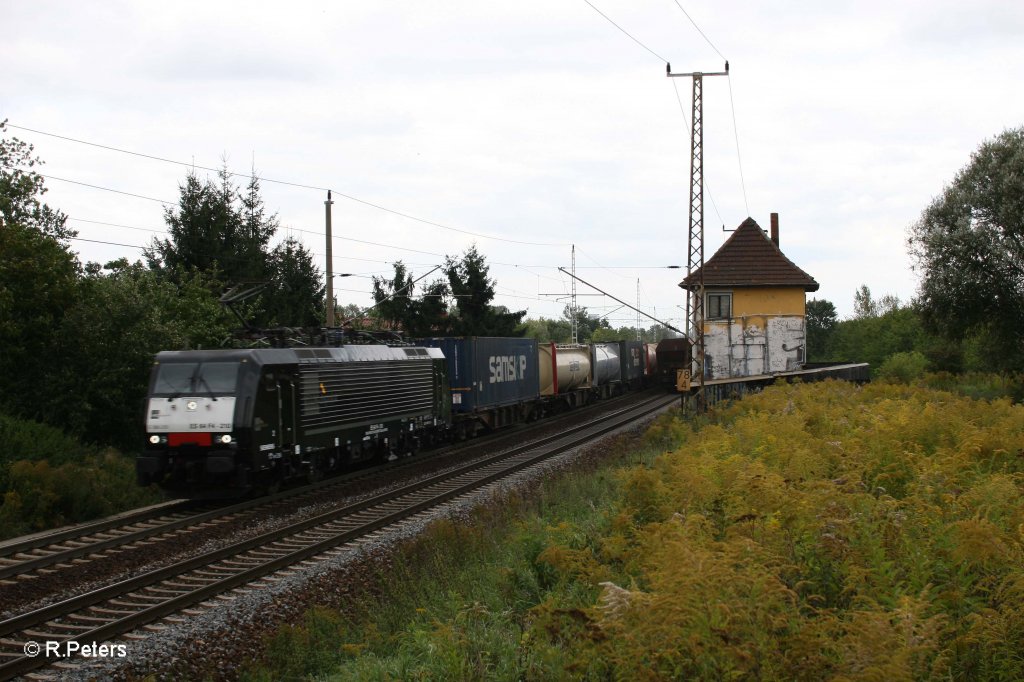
(750, 259)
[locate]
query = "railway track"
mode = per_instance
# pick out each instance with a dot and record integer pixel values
(122, 607)
(68, 548)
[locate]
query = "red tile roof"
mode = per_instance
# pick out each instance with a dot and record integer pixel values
(750, 259)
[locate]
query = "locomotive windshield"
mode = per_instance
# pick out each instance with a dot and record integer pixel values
(206, 378)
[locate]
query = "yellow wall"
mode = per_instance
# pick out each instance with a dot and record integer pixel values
(757, 304)
(767, 301)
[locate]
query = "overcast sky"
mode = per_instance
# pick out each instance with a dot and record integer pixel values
(536, 125)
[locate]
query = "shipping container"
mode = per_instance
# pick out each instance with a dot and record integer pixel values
(650, 359)
(605, 359)
(563, 368)
(487, 372)
(631, 356)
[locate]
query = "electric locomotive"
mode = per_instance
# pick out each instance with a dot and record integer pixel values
(229, 421)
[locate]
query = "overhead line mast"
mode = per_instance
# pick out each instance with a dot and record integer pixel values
(695, 241)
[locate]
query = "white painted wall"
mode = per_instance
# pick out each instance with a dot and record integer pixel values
(738, 347)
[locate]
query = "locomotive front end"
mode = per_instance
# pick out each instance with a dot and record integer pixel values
(192, 437)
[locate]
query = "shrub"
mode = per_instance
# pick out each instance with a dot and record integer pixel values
(903, 367)
(49, 479)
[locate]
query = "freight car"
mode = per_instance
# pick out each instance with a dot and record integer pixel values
(232, 420)
(672, 355)
(229, 421)
(494, 381)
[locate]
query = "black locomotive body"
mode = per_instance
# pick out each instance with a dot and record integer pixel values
(228, 421)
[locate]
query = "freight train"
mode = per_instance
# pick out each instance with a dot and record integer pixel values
(226, 422)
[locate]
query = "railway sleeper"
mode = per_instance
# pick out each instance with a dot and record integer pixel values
(129, 604)
(37, 634)
(86, 618)
(163, 591)
(113, 612)
(69, 626)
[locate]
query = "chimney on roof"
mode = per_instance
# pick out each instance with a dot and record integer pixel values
(775, 229)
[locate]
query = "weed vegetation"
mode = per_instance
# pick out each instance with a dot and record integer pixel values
(819, 531)
(49, 479)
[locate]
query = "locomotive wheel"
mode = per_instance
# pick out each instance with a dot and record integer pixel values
(315, 474)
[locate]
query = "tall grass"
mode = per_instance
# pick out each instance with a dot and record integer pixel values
(807, 532)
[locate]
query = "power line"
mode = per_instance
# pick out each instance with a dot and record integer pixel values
(107, 189)
(660, 58)
(96, 241)
(279, 182)
(127, 227)
(698, 29)
(736, 134)
(732, 106)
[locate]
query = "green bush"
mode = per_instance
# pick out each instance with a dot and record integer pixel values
(903, 367)
(33, 441)
(48, 479)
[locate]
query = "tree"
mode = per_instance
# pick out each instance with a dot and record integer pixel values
(865, 306)
(473, 292)
(586, 324)
(424, 316)
(873, 339)
(296, 295)
(21, 188)
(821, 324)
(217, 230)
(125, 315)
(430, 311)
(968, 246)
(393, 298)
(38, 282)
(38, 285)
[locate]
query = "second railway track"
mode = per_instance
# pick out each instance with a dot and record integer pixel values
(122, 607)
(68, 548)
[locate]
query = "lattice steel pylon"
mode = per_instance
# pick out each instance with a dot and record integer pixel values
(695, 239)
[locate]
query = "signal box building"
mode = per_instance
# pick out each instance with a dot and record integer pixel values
(754, 305)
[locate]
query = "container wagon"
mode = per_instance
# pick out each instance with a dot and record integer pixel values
(494, 381)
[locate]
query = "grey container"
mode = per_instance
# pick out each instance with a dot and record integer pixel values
(486, 371)
(606, 364)
(631, 356)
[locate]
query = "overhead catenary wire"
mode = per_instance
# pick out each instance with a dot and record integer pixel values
(389, 246)
(736, 134)
(631, 37)
(312, 232)
(703, 35)
(732, 106)
(350, 197)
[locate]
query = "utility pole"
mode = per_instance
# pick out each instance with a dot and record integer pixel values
(638, 337)
(572, 303)
(695, 242)
(330, 263)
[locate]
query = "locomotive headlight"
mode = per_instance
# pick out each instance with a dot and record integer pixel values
(226, 438)
(154, 439)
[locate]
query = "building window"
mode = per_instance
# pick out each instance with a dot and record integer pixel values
(719, 306)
